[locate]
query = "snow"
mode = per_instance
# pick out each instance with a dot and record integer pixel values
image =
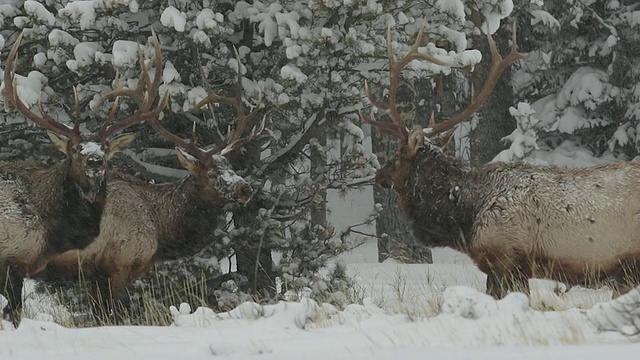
(208, 20)
(290, 20)
(82, 13)
(632, 18)
(59, 37)
(84, 54)
(172, 17)
(494, 11)
(200, 37)
(541, 16)
(8, 11)
(524, 138)
(397, 311)
(91, 147)
(112, 4)
(37, 10)
(453, 8)
(170, 74)
(588, 86)
(39, 59)
(292, 72)
(125, 53)
(468, 324)
(29, 87)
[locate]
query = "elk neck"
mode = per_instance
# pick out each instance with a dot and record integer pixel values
(71, 221)
(185, 219)
(439, 197)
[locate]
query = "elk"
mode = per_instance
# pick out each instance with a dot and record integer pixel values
(515, 220)
(144, 223)
(50, 209)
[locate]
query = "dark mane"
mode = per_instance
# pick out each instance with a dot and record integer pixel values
(190, 225)
(70, 220)
(439, 197)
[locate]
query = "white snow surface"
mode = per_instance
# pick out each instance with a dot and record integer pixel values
(406, 311)
(172, 17)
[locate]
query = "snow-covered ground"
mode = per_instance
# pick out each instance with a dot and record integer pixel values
(406, 311)
(435, 311)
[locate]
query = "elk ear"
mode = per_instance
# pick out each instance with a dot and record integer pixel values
(187, 160)
(119, 143)
(60, 143)
(416, 140)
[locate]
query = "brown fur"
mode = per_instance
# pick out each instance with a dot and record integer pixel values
(46, 210)
(518, 221)
(143, 223)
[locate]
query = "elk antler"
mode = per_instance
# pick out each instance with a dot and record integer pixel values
(498, 65)
(145, 95)
(233, 140)
(10, 93)
(397, 127)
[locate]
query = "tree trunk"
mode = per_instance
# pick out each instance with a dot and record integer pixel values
(393, 227)
(495, 121)
(318, 173)
(253, 254)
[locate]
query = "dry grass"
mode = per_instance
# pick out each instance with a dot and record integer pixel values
(147, 302)
(413, 291)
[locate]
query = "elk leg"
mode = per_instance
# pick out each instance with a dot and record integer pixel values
(11, 285)
(494, 285)
(628, 277)
(501, 281)
(110, 295)
(100, 301)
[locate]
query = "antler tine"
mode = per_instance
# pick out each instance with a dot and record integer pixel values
(239, 142)
(144, 95)
(498, 65)
(235, 100)
(397, 127)
(385, 127)
(76, 114)
(190, 147)
(10, 94)
(234, 138)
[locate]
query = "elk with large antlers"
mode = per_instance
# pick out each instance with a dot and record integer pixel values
(516, 221)
(47, 210)
(144, 223)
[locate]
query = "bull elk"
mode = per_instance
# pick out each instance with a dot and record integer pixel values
(143, 223)
(516, 221)
(47, 210)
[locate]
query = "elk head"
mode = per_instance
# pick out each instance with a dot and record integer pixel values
(396, 172)
(87, 153)
(217, 182)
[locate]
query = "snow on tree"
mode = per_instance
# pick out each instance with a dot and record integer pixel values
(582, 81)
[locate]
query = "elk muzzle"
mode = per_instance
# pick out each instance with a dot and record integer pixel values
(243, 192)
(94, 184)
(383, 179)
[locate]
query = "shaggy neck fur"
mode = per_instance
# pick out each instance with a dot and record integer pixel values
(186, 221)
(439, 197)
(70, 221)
